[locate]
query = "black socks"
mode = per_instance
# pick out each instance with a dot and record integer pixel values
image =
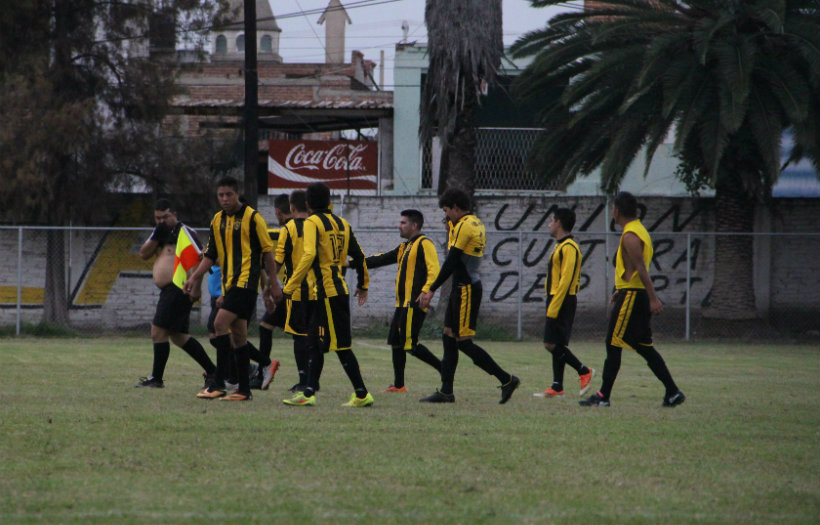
(161, 353)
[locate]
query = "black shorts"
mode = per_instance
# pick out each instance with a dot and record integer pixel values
(212, 316)
(277, 316)
(173, 309)
(297, 315)
(629, 320)
(557, 331)
(329, 324)
(405, 327)
(462, 309)
(240, 301)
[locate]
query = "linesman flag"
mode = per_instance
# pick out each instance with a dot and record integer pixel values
(187, 257)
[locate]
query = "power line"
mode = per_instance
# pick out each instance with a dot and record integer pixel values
(216, 27)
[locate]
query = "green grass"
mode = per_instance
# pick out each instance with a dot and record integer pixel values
(78, 444)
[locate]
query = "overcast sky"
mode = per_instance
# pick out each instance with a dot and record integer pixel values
(377, 26)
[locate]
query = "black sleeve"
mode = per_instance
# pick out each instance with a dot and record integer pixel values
(383, 259)
(210, 250)
(354, 251)
(447, 268)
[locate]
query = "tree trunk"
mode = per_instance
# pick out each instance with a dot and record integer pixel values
(732, 296)
(55, 305)
(458, 157)
(461, 160)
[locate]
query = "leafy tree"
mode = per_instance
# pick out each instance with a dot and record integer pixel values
(465, 47)
(726, 77)
(85, 89)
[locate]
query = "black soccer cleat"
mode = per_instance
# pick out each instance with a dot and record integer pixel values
(439, 397)
(674, 400)
(150, 382)
(595, 400)
(508, 389)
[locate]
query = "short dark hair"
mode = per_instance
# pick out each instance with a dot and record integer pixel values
(297, 200)
(626, 204)
(454, 197)
(163, 204)
(282, 203)
(566, 217)
(317, 196)
(414, 216)
(228, 181)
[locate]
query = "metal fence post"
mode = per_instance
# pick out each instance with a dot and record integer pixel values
(520, 283)
(19, 280)
(688, 282)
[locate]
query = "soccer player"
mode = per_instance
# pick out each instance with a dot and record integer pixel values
(418, 267)
(239, 240)
(467, 240)
(563, 281)
(262, 375)
(328, 242)
(172, 315)
(271, 319)
(289, 251)
(633, 304)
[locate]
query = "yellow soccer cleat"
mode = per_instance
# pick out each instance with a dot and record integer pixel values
(359, 402)
(300, 400)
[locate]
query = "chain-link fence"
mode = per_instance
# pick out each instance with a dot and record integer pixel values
(501, 161)
(95, 279)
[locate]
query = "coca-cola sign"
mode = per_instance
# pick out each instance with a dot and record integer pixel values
(343, 165)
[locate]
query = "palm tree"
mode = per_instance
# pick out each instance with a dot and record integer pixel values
(465, 47)
(727, 77)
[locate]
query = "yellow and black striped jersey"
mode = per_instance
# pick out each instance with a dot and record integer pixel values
(289, 250)
(328, 242)
(418, 267)
(237, 242)
(563, 274)
(275, 235)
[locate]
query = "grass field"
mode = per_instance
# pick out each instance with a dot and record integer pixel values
(78, 444)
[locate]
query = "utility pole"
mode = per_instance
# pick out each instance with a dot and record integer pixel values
(251, 113)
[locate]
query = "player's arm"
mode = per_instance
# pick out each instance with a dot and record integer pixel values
(261, 230)
(155, 241)
(356, 254)
(450, 262)
(383, 259)
(273, 288)
(633, 253)
(194, 282)
(311, 248)
(279, 254)
(569, 257)
(431, 262)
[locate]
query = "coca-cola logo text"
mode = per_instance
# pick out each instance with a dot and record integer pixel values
(333, 159)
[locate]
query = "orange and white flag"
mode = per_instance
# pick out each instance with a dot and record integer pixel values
(187, 257)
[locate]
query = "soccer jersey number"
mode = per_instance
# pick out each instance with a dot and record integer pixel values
(337, 243)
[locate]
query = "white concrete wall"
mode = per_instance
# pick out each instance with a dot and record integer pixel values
(513, 267)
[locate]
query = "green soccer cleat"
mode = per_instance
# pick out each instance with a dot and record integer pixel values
(300, 400)
(359, 402)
